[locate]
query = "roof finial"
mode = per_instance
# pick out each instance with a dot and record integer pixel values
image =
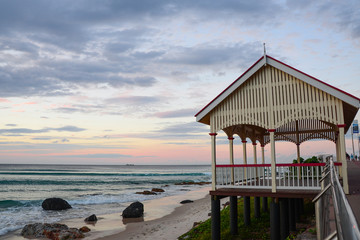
(265, 54)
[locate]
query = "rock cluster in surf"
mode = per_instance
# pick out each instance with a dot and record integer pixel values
(55, 231)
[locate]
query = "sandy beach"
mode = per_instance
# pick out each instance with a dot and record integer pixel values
(170, 226)
(164, 218)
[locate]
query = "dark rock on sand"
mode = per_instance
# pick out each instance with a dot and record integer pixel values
(135, 210)
(51, 231)
(186, 201)
(147, 193)
(195, 224)
(55, 204)
(84, 229)
(91, 218)
(157, 190)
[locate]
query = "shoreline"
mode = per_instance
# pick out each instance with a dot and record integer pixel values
(158, 213)
(170, 226)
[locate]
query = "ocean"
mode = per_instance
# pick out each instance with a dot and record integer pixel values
(88, 189)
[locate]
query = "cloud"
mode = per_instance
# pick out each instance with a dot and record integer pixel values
(234, 55)
(81, 108)
(55, 48)
(41, 138)
(181, 128)
(134, 100)
(343, 15)
(64, 140)
(43, 130)
(176, 113)
(178, 131)
(67, 129)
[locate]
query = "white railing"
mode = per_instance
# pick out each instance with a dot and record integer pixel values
(299, 175)
(244, 176)
(288, 176)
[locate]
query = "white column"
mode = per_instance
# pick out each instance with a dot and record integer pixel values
(213, 159)
(298, 160)
(262, 154)
(298, 152)
(245, 160)
(337, 149)
(343, 158)
(244, 151)
(255, 159)
(273, 160)
(255, 156)
(231, 149)
(338, 154)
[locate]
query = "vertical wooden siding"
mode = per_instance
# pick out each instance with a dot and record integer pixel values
(272, 98)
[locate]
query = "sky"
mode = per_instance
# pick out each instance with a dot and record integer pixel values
(119, 82)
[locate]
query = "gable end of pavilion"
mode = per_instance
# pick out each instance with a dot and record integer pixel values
(349, 103)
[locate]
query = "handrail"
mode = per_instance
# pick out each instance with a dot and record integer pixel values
(278, 165)
(346, 225)
(286, 176)
(242, 165)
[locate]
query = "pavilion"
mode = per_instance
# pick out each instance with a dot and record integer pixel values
(270, 102)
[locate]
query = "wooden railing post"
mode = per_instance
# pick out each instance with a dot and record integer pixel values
(231, 149)
(273, 160)
(213, 160)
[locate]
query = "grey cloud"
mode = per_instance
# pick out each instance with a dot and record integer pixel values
(69, 110)
(176, 114)
(104, 41)
(344, 14)
(148, 55)
(44, 130)
(146, 81)
(68, 44)
(41, 138)
(19, 45)
(238, 54)
(63, 78)
(181, 128)
(70, 23)
(60, 16)
(27, 82)
(67, 129)
(21, 131)
(180, 131)
(349, 18)
(82, 108)
(134, 100)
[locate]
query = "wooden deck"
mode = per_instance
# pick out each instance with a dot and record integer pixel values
(353, 197)
(280, 193)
